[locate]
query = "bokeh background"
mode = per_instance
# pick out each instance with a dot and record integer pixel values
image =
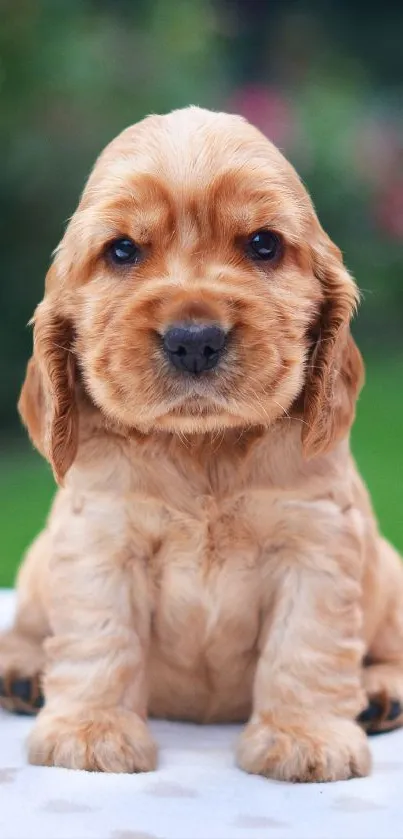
(323, 79)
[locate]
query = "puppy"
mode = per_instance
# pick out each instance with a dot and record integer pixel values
(211, 554)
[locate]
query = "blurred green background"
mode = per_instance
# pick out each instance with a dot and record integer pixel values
(323, 79)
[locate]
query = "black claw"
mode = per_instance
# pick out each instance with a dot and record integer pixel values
(21, 696)
(378, 714)
(372, 713)
(395, 710)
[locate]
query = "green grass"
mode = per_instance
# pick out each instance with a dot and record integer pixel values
(377, 443)
(26, 484)
(26, 489)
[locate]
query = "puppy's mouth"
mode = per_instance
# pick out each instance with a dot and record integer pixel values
(196, 400)
(197, 407)
(201, 407)
(197, 417)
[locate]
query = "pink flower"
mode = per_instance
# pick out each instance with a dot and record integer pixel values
(377, 149)
(266, 108)
(389, 208)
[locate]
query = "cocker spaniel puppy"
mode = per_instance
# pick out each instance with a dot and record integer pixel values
(211, 553)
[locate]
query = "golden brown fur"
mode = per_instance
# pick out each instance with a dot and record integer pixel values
(211, 553)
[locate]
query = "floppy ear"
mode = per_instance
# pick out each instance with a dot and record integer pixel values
(47, 403)
(335, 371)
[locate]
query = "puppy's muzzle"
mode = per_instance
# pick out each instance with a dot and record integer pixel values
(194, 347)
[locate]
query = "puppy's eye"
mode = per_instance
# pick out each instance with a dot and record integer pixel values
(263, 245)
(124, 252)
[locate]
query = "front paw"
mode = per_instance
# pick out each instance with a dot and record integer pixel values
(101, 741)
(334, 751)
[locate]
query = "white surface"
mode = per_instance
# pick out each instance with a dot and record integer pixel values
(197, 793)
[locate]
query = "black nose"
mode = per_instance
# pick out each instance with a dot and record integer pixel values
(194, 347)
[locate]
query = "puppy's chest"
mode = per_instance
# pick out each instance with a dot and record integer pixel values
(210, 534)
(207, 566)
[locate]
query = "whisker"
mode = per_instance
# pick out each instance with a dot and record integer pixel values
(60, 347)
(261, 406)
(183, 439)
(220, 436)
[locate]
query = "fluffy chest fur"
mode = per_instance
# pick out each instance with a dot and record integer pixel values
(204, 537)
(204, 641)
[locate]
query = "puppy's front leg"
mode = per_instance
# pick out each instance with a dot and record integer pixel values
(95, 678)
(307, 690)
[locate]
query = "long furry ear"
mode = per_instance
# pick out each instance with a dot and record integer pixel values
(335, 371)
(47, 403)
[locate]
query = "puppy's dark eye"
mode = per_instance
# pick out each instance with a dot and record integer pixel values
(124, 252)
(263, 245)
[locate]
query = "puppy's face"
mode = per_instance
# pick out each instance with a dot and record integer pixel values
(191, 284)
(191, 281)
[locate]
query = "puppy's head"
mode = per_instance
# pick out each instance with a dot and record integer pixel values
(194, 290)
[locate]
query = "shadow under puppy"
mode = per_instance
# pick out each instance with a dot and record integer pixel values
(211, 553)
